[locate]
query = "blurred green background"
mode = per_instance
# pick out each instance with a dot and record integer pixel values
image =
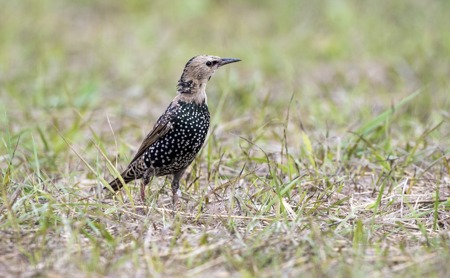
(340, 58)
(69, 67)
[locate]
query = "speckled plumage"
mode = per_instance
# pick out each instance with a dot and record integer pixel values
(180, 132)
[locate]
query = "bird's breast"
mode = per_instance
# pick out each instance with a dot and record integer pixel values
(178, 148)
(191, 125)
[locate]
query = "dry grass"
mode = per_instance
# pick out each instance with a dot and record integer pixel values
(328, 153)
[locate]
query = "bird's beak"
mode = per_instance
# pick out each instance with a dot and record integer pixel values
(225, 61)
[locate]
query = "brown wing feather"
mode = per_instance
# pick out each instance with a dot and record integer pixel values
(159, 130)
(162, 126)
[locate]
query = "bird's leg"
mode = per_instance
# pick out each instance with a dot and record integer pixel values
(146, 179)
(143, 191)
(176, 187)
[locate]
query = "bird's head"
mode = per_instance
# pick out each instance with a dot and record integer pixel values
(199, 70)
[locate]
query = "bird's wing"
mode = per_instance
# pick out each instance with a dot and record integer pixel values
(162, 126)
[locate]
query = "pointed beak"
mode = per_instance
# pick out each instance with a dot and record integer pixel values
(225, 61)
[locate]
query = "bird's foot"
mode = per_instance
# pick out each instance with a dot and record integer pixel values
(175, 197)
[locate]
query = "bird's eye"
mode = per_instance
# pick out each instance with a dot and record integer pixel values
(209, 63)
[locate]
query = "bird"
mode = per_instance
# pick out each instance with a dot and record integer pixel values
(179, 133)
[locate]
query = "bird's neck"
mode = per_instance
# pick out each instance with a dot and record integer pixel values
(192, 91)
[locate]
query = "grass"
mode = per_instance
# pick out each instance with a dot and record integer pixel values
(328, 153)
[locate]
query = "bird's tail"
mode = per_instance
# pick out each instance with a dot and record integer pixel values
(128, 175)
(117, 184)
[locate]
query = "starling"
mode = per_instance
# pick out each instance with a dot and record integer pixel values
(180, 132)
